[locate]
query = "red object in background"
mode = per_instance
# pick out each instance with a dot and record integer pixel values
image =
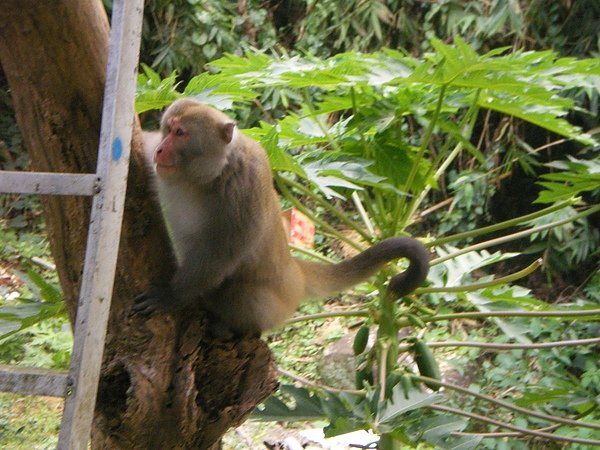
(299, 228)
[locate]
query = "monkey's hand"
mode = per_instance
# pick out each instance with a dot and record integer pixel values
(156, 300)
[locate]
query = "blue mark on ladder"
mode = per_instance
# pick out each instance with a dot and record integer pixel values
(117, 149)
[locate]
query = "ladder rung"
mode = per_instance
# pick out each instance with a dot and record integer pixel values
(48, 183)
(33, 381)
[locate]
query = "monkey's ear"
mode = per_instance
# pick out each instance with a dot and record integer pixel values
(227, 131)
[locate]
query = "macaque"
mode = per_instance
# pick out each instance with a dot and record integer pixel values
(216, 190)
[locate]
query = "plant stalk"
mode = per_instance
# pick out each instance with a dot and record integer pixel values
(457, 316)
(502, 225)
(476, 286)
(514, 236)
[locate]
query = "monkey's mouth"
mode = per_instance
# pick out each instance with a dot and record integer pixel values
(164, 170)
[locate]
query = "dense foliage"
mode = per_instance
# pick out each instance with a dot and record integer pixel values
(385, 129)
(186, 34)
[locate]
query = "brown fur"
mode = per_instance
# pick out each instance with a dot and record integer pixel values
(217, 193)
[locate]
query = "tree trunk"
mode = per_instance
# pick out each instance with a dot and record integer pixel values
(164, 384)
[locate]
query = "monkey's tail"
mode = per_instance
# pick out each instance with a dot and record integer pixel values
(325, 279)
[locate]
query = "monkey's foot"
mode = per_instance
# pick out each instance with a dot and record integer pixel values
(156, 300)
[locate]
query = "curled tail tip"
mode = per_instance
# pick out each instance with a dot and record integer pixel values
(416, 274)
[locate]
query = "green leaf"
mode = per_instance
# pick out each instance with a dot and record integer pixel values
(47, 291)
(344, 425)
(20, 311)
(217, 91)
(346, 413)
(326, 174)
(154, 93)
(545, 116)
(458, 270)
(436, 430)
(389, 414)
(8, 327)
(579, 176)
(484, 301)
(462, 443)
(242, 65)
(280, 160)
(306, 406)
(25, 315)
(40, 288)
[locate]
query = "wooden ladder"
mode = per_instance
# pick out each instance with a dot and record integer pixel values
(79, 385)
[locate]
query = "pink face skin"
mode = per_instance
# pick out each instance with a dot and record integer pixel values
(165, 154)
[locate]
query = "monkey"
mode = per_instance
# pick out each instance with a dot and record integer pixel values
(216, 190)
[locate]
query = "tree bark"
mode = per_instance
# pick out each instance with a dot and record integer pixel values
(165, 383)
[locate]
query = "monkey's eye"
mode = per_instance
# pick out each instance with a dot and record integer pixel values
(179, 132)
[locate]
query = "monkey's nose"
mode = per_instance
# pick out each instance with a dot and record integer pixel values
(157, 153)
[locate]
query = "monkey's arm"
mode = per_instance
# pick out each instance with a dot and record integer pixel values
(206, 266)
(228, 238)
(202, 270)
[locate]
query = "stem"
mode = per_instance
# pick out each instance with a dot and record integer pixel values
(501, 434)
(435, 207)
(420, 154)
(387, 336)
(328, 315)
(298, 205)
(511, 314)
(525, 431)
(470, 117)
(514, 236)
(327, 205)
(383, 369)
(416, 201)
(506, 167)
(503, 225)
(476, 286)
(426, 139)
(455, 316)
(312, 384)
(383, 222)
(497, 346)
(368, 154)
(387, 442)
(312, 113)
(502, 403)
(363, 214)
(312, 254)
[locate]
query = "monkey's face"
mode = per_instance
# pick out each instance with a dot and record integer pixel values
(168, 154)
(195, 143)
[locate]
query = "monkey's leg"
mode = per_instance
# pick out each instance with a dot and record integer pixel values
(246, 308)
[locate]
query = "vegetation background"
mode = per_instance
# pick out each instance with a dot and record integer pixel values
(475, 131)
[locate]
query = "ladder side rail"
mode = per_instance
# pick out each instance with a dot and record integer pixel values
(105, 225)
(47, 183)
